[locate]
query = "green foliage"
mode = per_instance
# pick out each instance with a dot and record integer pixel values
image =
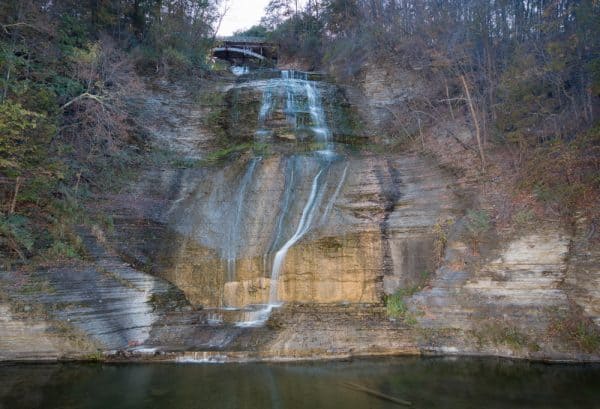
(577, 330)
(224, 153)
(300, 37)
(61, 250)
(72, 34)
(177, 42)
(499, 333)
(17, 229)
(523, 218)
(440, 231)
(396, 305)
(18, 143)
(477, 223)
(36, 190)
(61, 146)
(564, 174)
(65, 87)
(254, 31)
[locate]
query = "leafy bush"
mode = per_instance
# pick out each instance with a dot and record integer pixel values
(396, 307)
(17, 137)
(396, 304)
(523, 218)
(62, 250)
(440, 231)
(16, 234)
(578, 330)
(478, 222)
(65, 87)
(502, 333)
(564, 174)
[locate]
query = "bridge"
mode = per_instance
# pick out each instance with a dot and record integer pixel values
(238, 49)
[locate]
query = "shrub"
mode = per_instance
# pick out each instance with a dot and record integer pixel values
(17, 137)
(15, 234)
(440, 231)
(502, 333)
(62, 250)
(564, 174)
(396, 305)
(477, 223)
(578, 330)
(523, 218)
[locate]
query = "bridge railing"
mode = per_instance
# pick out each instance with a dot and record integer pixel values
(243, 39)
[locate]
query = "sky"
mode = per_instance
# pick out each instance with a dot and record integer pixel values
(242, 14)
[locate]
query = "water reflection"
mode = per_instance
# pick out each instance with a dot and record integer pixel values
(427, 383)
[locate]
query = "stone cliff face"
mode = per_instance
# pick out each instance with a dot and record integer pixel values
(192, 250)
(374, 231)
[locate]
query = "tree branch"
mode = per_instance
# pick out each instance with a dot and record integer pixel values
(85, 95)
(5, 27)
(475, 121)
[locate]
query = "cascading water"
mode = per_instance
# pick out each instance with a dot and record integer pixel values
(302, 96)
(240, 70)
(234, 228)
(245, 221)
(334, 196)
(301, 102)
(304, 225)
(306, 222)
(285, 205)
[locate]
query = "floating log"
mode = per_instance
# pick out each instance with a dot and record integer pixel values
(376, 394)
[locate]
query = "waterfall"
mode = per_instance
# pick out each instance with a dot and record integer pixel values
(334, 196)
(302, 97)
(240, 70)
(258, 317)
(266, 104)
(317, 114)
(285, 204)
(303, 226)
(234, 228)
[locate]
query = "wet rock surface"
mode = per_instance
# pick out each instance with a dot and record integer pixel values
(192, 250)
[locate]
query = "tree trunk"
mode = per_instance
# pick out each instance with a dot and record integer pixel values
(421, 133)
(13, 40)
(13, 203)
(448, 98)
(475, 122)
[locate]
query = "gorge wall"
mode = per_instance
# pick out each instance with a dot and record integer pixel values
(190, 252)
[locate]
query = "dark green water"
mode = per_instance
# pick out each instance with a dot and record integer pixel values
(427, 383)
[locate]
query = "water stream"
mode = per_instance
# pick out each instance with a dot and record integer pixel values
(300, 101)
(234, 228)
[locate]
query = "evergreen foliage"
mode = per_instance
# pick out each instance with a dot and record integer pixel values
(66, 69)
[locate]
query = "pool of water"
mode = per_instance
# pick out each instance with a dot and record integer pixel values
(424, 382)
